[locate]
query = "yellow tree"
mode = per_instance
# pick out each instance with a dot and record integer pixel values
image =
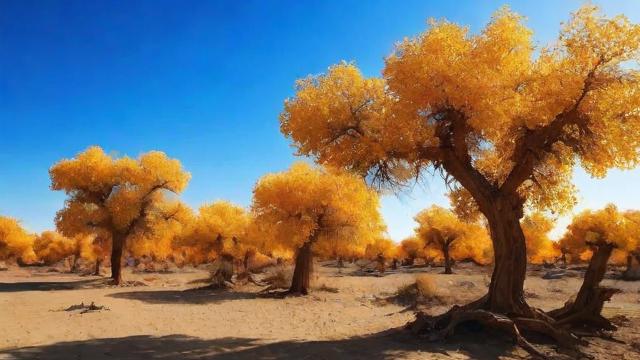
(411, 249)
(115, 198)
(381, 249)
(599, 232)
(503, 119)
(220, 231)
(51, 247)
(15, 241)
(164, 230)
(441, 229)
(540, 248)
(305, 206)
(633, 230)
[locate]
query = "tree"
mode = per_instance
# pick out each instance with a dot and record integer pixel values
(410, 249)
(115, 198)
(15, 241)
(503, 119)
(633, 230)
(380, 250)
(440, 228)
(540, 248)
(454, 239)
(51, 247)
(220, 232)
(305, 206)
(600, 232)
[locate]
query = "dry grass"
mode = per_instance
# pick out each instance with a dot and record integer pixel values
(424, 290)
(279, 277)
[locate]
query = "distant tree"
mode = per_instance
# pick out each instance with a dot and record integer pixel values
(305, 206)
(381, 250)
(410, 249)
(220, 232)
(503, 119)
(114, 198)
(15, 241)
(454, 239)
(51, 247)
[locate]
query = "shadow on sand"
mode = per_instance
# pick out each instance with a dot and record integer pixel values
(54, 285)
(189, 296)
(391, 344)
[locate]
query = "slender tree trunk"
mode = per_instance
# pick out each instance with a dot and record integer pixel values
(245, 262)
(587, 307)
(74, 264)
(97, 269)
(447, 259)
(116, 258)
(300, 282)
(629, 264)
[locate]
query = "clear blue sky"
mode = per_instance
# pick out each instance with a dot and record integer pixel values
(204, 81)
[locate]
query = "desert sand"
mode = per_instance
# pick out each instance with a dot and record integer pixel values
(348, 316)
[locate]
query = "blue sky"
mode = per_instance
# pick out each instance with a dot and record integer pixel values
(204, 81)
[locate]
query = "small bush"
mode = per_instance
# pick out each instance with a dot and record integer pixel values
(279, 278)
(426, 286)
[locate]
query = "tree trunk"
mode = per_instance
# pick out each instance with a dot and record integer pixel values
(116, 258)
(245, 261)
(223, 275)
(447, 259)
(74, 264)
(586, 309)
(506, 290)
(300, 282)
(97, 269)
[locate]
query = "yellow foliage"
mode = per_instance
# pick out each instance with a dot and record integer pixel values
(523, 111)
(220, 228)
(383, 247)
(540, 248)
(15, 242)
(439, 228)
(607, 225)
(129, 197)
(51, 247)
(334, 210)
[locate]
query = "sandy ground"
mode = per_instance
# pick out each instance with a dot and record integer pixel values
(168, 319)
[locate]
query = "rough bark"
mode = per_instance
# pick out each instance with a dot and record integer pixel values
(586, 309)
(74, 264)
(300, 282)
(116, 258)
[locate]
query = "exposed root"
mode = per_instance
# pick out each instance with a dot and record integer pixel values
(586, 315)
(435, 328)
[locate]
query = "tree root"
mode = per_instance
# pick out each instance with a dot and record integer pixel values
(436, 328)
(587, 314)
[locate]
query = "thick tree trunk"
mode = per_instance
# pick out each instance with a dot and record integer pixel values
(586, 309)
(506, 290)
(116, 258)
(300, 282)
(447, 259)
(97, 269)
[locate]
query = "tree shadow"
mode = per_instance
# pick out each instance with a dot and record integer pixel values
(390, 344)
(53, 285)
(190, 296)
